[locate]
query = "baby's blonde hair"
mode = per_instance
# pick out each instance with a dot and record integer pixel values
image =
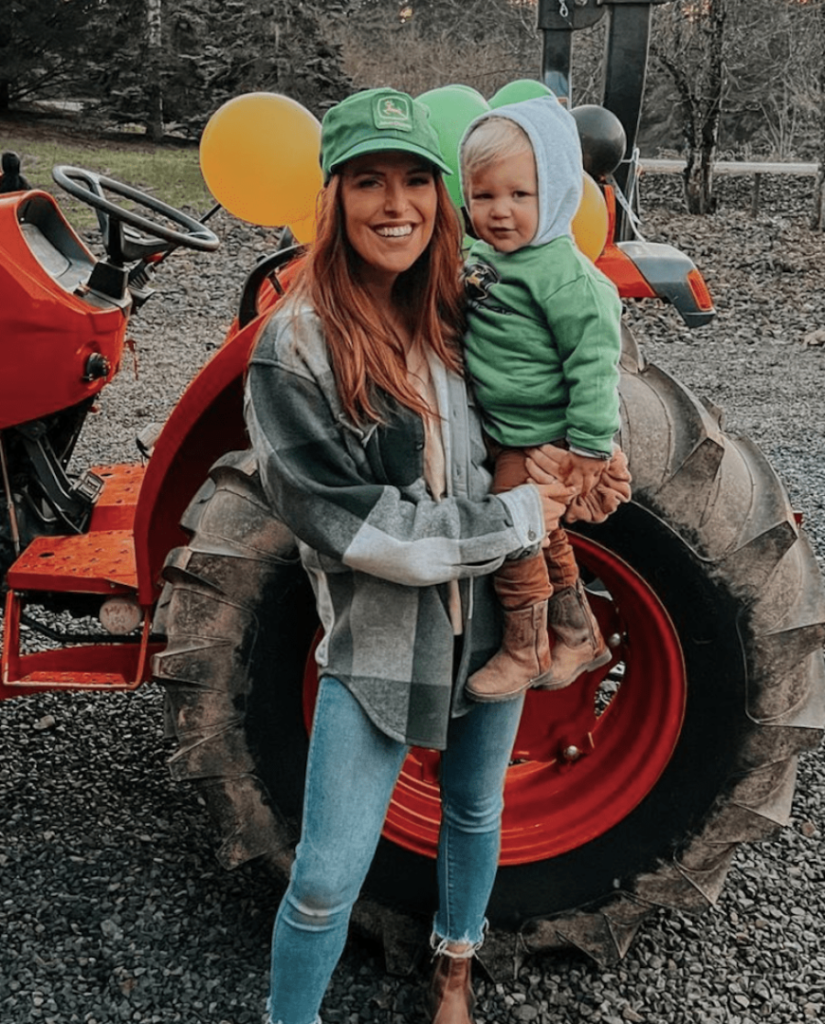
(490, 141)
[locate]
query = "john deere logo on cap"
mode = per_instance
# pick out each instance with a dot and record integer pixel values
(393, 112)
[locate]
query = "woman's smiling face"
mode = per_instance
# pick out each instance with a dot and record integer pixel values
(389, 202)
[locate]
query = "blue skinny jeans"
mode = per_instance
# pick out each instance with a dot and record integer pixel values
(351, 773)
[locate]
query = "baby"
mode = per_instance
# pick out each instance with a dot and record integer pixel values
(542, 349)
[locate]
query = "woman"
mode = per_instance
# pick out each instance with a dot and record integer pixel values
(369, 451)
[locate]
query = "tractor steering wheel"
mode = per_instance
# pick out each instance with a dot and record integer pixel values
(121, 242)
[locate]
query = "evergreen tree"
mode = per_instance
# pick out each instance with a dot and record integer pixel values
(42, 46)
(211, 50)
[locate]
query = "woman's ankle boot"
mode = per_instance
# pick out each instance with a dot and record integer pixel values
(451, 998)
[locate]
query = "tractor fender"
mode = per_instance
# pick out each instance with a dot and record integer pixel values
(673, 276)
(206, 423)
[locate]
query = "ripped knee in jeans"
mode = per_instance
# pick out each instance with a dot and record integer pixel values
(311, 915)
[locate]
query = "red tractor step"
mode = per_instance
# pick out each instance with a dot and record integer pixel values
(86, 563)
(115, 508)
(101, 562)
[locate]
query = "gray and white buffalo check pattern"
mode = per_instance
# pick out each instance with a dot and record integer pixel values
(377, 547)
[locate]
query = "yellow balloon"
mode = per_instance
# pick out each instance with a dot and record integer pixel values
(303, 231)
(259, 158)
(591, 220)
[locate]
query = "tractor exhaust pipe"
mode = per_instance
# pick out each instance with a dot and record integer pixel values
(624, 70)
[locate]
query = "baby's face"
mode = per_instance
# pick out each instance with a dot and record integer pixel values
(503, 202)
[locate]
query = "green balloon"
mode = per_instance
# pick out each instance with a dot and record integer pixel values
(452, 108)
(515, 92)
(469, 88)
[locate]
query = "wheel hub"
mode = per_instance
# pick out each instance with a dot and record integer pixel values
(585, 756)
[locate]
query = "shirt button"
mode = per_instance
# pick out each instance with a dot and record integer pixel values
(531, 534)
(419, 445)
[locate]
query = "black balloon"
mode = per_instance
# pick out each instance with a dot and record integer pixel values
(602, 137)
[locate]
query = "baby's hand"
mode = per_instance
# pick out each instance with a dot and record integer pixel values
(576, 471)
(584, 473)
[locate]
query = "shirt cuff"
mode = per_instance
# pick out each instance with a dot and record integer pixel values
(588, 453)
(524, 505)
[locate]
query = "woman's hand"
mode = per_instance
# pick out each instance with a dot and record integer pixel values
(555, 495)
(555, 498)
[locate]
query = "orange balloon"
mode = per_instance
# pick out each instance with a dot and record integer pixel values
(303, 231)
(591, 221)
(259, 158)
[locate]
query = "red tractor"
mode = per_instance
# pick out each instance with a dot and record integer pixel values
(627, 792)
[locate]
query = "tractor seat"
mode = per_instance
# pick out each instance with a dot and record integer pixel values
(54, 245)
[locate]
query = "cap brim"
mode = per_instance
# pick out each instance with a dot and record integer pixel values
(389, 146)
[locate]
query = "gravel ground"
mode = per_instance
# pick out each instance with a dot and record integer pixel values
(112, 907)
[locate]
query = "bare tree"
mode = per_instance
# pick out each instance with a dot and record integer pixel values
(818, 213)
(689, 44)
(772, 61)
(420, 44)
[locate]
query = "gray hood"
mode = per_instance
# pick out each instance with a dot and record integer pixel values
(555, 140)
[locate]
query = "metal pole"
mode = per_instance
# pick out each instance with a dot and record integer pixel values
(15, 532)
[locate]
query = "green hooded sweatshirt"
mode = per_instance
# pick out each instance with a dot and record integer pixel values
(544, 335)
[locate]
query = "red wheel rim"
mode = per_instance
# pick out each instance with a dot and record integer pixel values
(584, 757)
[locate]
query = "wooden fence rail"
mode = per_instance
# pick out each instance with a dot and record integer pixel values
(757, 168)
(731, 167)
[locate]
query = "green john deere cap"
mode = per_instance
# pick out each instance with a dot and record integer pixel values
(375, 121)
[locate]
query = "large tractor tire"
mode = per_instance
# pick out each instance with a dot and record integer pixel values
(626, 792)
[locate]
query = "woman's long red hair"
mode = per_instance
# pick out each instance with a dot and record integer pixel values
(366, 353)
